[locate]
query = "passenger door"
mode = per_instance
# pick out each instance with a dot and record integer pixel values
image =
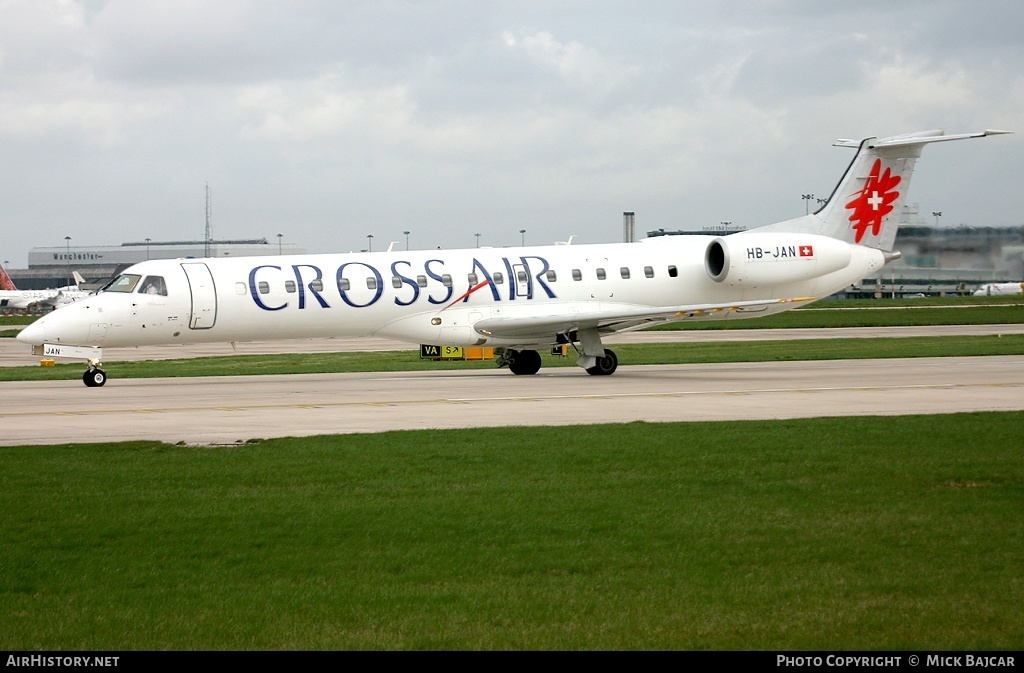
(204, 295)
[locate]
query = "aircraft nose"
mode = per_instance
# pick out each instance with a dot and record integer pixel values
(34, 334)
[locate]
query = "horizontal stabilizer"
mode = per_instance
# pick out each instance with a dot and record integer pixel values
(918, 138)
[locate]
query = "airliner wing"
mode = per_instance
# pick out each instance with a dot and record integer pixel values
(543, 327)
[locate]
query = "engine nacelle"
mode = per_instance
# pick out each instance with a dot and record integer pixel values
(770, 258)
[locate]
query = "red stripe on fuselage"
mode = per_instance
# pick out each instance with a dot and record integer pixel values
(470, 291)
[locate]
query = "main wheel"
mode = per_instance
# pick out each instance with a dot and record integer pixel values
(605, 366)
(94, 378)
(524, 363)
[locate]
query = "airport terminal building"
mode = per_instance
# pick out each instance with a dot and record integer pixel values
(53, 266)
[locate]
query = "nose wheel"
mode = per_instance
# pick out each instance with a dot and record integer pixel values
(94, 377)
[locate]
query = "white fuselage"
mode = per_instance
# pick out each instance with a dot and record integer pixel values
(990, 289)
(436, 297)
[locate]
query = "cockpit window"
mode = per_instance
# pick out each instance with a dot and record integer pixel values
(154, 285)
(123, 283)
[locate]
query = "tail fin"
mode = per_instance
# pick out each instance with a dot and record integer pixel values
(79, 281)
(866, 205)
(5, 281)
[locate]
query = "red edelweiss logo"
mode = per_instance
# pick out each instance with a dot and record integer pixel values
(874, 201)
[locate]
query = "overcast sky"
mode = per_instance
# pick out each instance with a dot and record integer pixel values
(326, 121)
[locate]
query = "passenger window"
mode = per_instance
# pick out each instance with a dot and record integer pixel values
(344, 285)
(624, 272)
(371, 283)
(672, 271)
(396, 282)
(649, 271)
(317, 285)
(421, 281)
(241, 289)
(473, 279)
(499, 278)
(446, 280)
(153, 285)
(600, 274)
(289, 286)
(521, 275)
(577, 274)
(552, 276)
(264, 287)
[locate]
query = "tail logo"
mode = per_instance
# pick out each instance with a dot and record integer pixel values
(874, 201)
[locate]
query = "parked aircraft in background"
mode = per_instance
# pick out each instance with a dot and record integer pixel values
(6, 284)
(27, 300)
(516, 300)
(999, 288)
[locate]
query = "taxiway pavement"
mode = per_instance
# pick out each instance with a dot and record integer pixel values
(227, 410)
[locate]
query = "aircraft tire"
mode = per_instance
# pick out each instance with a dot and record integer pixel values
(94, 378)
(605, 366)
(525, 363)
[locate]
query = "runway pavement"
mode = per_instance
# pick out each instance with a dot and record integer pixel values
(225, 410)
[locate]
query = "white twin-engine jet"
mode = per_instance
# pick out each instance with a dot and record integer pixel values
(516, 300)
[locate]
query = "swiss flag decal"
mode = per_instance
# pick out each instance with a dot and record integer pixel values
(806, 251)
(873, 202)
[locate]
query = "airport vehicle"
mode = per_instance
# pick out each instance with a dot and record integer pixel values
(516, 300)
(27, 300)
(990, 289)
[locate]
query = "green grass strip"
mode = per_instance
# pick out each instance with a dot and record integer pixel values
(884, 533)
(869, 317)
(636, 354)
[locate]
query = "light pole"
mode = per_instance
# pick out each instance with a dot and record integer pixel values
(477, 240)
(279, 243)
(369, 243)
(67, 241)
(406, 240)
(147, 248)
(807, 203)
(522, 235)
(937, 215)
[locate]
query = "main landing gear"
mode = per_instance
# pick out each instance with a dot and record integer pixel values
(523, 363)
(527, 362)
(605, 366)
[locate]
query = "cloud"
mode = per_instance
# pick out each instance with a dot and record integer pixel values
(324, 120)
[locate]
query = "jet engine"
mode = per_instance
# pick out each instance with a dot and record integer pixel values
(770, 258)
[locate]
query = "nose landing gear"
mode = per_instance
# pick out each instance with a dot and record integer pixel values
(94, 377)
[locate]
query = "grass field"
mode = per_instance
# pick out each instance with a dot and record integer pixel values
(852, 533)
(881, 533)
